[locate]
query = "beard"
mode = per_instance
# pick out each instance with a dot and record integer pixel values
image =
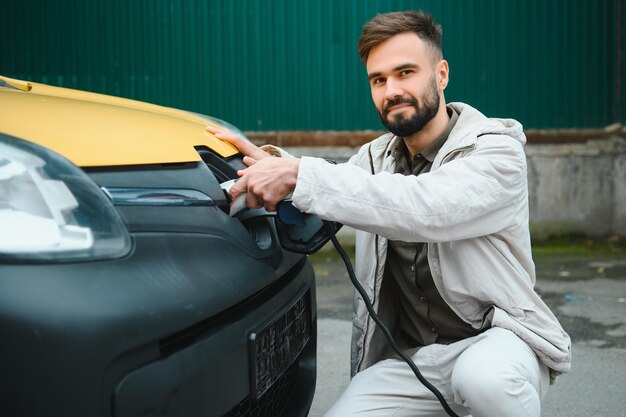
(406, 126)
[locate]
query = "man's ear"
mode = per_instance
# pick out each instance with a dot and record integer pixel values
(442, 74)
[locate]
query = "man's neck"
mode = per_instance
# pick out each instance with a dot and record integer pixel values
(425, 137)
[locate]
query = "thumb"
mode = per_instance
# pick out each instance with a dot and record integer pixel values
(238, 188)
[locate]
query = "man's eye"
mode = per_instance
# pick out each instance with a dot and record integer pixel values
(406, 73)
(378, 81)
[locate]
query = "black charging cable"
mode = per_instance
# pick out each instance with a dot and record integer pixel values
(346, 259)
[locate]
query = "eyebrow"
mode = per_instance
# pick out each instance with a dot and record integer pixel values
(398, 68)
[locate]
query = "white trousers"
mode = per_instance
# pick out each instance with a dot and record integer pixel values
(494, 374)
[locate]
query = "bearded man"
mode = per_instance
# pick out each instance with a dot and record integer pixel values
(440, 204)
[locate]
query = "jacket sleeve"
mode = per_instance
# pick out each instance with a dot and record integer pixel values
(476, 194)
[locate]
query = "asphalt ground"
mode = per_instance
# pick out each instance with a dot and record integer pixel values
(584, 285)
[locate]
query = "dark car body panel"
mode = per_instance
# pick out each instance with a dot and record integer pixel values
(77, 330)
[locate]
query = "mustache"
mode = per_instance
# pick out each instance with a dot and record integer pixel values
(397, 101)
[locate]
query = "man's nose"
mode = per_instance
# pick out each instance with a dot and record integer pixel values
(392, 89)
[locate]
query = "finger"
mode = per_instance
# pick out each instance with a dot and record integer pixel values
(227, 136)
(245, 146)
(252, 201)
(271, 207)
(270, 201)
(238, 188)
(223, 134)
(215, 129)
(249, 161)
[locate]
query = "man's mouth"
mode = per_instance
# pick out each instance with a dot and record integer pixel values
(398, 105)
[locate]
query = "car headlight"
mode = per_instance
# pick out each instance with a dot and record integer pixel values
(50, 210)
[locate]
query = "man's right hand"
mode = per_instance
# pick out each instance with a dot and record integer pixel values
(267, 180)
(251, 152)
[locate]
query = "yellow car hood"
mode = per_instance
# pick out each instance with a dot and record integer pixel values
(98, 130)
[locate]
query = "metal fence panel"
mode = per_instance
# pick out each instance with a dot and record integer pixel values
(292, 65)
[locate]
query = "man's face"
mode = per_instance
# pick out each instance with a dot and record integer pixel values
(404, 83)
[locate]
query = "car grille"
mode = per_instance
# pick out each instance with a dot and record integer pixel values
(274, 400)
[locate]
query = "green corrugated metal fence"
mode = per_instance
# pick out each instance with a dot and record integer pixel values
(292, 64)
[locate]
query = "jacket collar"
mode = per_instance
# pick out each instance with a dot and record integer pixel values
(470, 125)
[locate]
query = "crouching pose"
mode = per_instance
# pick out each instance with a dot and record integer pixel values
(440, 204)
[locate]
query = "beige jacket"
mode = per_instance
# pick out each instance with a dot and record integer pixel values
(472, 209)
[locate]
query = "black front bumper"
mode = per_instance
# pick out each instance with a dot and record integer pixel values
(151, 335)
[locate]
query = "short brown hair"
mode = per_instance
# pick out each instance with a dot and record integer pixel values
(384, 26)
